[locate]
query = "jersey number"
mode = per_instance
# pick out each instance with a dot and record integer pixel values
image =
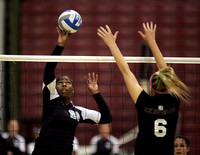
(159, 128)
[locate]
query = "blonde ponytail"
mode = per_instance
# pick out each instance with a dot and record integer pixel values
(166, 81)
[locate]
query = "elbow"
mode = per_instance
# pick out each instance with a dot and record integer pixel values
(105, 119)
(125, 70)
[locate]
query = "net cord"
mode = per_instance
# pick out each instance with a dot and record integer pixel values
(105, 59)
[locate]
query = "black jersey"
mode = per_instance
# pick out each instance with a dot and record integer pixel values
(157, 120)
(107, 146)
(8, 145)
(104, 146)
(59, 121)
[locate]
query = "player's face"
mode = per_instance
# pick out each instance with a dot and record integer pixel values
(64, 87)
(13, 127)
(104, 130)
(180, 147)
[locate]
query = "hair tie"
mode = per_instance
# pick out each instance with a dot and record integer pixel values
(158, 92)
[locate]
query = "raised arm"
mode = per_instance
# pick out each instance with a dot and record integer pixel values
(50, 66)
(149, 37)
(131, 82)
(92, 83)
(49, 79)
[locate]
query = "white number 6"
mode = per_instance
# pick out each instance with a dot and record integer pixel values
(159, 128)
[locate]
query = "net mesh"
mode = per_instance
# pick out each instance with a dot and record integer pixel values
(21, 95)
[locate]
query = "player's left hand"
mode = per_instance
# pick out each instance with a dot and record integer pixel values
(91, 81)
(149, 31)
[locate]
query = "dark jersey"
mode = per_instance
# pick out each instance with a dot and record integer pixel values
(104, 146)
(8, 144)
(157, 120)
(108, 146)
(59, 121)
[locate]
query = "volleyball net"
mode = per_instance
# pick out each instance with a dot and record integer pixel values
(21, 80)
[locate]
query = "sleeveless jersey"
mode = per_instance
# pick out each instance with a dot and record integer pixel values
(157, 120)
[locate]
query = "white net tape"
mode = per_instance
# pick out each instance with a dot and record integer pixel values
(109, 59)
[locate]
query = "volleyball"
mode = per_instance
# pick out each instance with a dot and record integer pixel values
(70, 20)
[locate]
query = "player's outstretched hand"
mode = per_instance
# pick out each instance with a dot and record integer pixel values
(63, 37)
(106, 35)
(92, 82)
(149, 31)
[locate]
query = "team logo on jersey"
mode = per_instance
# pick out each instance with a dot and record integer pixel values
(160, 107)
(77, 116)
(108, 145)
(74, 115)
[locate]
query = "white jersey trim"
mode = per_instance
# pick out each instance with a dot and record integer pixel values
(52, 89)
(90, 114)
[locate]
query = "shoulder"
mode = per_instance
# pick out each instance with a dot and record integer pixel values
(55, 102)
(167, 98)
(75, 140)
(31, 144)
(94, 139)
(5, 135)
(113, 139)
(143, 96)
(20, 137)
(80, 108)
(56, 99)
(173, 99)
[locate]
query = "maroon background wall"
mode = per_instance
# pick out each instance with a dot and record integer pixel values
(178, 35)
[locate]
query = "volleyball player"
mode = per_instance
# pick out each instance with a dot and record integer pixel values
(104, 143)
(60, 116)
(16, 143)
(157, 112)
(181, 145)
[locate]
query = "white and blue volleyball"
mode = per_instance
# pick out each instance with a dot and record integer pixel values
(70, 20)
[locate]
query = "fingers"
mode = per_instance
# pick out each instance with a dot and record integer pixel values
(59, 30)
(86, 80)
(105, 30)
(62, 32)
(154, 27)
(149, 26)
(144, 27)
(101, 31)
(149, 31)
(91, 78)
(115, 35)
(108, 29)
(94, 77)
(141, 34)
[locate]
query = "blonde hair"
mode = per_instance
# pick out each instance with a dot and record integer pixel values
(166, 81)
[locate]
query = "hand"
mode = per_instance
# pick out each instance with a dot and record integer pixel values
(106, 34)
(91, 81)
(63, 37)
(149, 31)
